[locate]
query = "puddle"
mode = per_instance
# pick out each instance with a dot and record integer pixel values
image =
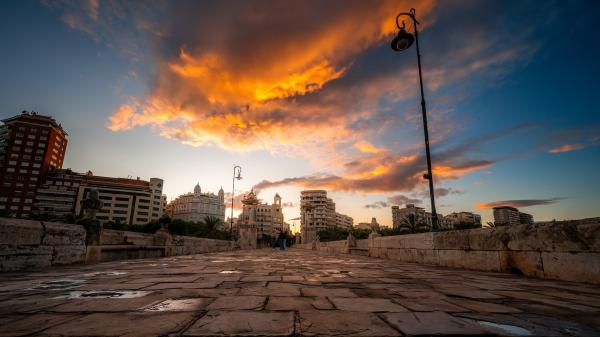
(230, 272)
(105, 273)
(191, 304)
(512, 329)
(107, 294)
(58, 284)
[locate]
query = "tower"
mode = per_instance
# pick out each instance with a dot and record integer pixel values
(277, 200)
(221, 195)
(197, 189)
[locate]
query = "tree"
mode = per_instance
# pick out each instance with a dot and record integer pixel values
(212, 222)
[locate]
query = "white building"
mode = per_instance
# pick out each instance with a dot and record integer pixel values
(343, 221)
(196, 206)
(267, 219)
(317, 212)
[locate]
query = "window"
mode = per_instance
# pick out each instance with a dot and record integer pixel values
(28, 150)
(41, 145)
(23, 171)
(43, 138)
(35, 172)
(121, 199)
(31, 136)
(25, 164)
(20, 135)
(10, 169)
(29, 143)
(16, 199)
(44, 132)
(18, 142)
(26, 208)
(39, 151)
(12, 162)
(14, 156)
(26, 157)
(33, 178)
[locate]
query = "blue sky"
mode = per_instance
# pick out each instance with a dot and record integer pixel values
(312, 97)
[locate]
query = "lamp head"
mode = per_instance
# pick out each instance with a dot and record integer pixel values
(239, 176)
(402, 41)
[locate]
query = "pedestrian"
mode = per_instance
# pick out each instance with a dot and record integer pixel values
(281, 241)
(273, 242)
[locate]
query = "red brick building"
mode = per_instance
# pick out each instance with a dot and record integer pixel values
(30, 144)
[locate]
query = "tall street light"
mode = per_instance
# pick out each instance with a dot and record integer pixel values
(237, 169)
(400, 43)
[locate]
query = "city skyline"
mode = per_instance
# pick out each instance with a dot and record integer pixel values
(511, 124)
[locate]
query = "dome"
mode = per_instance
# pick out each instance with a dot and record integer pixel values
(197, 189)
(250, 198)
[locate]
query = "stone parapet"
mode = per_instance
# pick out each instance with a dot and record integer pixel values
(28, 244)
(564, 250)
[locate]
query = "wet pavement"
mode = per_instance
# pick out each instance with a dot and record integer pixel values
(291, 293)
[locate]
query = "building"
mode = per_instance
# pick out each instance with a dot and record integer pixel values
(400, 216)
(317, 212)
(373, 225)
(463, 218)
(129, 201)
(56, 197)
(30, 144)
(506, 216)
(267, 219)
(343, 221)
(525, 218)
(196, 206)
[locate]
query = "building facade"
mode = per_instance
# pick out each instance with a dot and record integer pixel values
(343, 221)
(464, 218)
(401, 215)
(129, 201)
(506, 216)
(56, 197)
(373, 225)
(196, 206)
(267, 219)
(317, 212)
(525, 218)
(30, 144)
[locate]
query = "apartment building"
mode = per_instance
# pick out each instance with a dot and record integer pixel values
(267, 219)
(196, 206)
(30, 144)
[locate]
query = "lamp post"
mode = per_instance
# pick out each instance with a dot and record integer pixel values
(400, 43)
(237, 169)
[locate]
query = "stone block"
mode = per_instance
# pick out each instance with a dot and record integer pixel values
(342, 323)
(567, 237)
(243, 323)
(57, 234)
(578, 267)
(15, 232)
(475, 260)
(432, 323)
(25, 258)
(426, 256)
(488, 238)
(521, 262)
(68, 254)
(451, 240)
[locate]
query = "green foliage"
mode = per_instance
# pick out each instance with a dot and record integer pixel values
(177, 227)
(360, 234)
(387, 231)
(332, 234)
(466, 225)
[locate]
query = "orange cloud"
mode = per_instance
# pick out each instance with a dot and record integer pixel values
(566, 148)
(518, 203)
(366, 147)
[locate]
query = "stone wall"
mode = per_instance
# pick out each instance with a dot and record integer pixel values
(563, 251)
(28, 244)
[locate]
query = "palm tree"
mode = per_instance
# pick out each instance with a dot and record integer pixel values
(411, 224)
(212, 222)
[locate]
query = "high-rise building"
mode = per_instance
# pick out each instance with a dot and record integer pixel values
(196, 206)
(525, 218)
(267, 219)
(506, 216)
(56, 197)
(343, 221)
(30, 144)
(317, 212)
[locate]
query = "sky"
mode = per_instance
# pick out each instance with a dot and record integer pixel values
(309, 95)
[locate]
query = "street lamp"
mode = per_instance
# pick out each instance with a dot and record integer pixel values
(400, 43)
(237, 169)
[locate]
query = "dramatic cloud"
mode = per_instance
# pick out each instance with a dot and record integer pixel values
(566, 148)
(395, 200)
(518, 203)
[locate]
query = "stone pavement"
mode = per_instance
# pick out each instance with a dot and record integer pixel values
(291, 293)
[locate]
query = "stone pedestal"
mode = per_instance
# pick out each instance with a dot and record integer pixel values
(350, 243)
(93, 229)
(247, 237)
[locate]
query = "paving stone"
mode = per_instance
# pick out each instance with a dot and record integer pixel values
(366, 304)
(260, 278)
(298, 303)
(471, 293)
(327, 292)
(237, 303)
(479, 306)
(431, 323)
(123, 324)
(343, 323)
(190, 285)
(33, 324)
(428, 304)
(243, 323)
